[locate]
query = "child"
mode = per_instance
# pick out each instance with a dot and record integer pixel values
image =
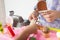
(51, 18)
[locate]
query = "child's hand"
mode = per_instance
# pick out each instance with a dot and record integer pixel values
(50, 15)
(33, 15)
(33, 22)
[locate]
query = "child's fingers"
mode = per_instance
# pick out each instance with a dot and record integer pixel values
(34, 17)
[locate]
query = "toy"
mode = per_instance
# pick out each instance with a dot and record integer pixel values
(11, 31)
(32, 38)
(57, 30)
(1, 28)
(54, 29)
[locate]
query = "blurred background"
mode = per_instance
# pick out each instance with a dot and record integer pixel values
(17, 8)
(20, 7)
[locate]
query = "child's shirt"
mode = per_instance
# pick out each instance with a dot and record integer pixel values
(51, 5)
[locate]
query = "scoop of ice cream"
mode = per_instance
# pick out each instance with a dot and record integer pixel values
(45, 30)
(58, 34)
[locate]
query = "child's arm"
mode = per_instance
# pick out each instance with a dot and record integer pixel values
(33, 15)
(27, 31)
(32, 28)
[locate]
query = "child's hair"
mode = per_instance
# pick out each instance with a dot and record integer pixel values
(41, 5)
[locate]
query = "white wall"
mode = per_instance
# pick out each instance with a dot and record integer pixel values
(2, 12)
(21, 7)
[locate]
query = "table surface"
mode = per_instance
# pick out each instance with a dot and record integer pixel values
(38, 36)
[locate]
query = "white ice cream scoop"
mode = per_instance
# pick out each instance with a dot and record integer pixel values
(58, 34)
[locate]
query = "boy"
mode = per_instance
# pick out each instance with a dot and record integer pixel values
(51, 18)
